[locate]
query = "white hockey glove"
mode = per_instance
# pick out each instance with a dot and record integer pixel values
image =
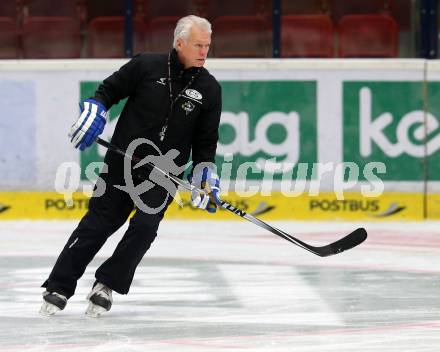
(207, 180)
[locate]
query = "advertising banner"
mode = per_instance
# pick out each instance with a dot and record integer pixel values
(386, 122)
(391, 206)
(318, 131)
(266, 125)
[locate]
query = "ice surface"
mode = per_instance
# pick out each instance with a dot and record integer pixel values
(231, 286)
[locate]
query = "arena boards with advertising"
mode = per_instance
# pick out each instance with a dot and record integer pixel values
(359, 114)
(392, 206)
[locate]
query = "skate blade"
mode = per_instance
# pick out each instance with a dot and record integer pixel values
(94, 311)
(48, 309)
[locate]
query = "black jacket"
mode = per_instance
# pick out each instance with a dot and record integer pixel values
(193, 124)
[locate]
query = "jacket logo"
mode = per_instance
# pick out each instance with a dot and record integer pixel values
(162, 81)
(188, 107)
(192, 93)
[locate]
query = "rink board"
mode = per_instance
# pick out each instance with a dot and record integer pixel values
(389, 206)
(278, 116)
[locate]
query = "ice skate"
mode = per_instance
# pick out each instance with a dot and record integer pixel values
(100, 300)
(53, 303)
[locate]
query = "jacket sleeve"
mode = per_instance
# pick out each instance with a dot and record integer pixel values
(205, 136)
(121, 83)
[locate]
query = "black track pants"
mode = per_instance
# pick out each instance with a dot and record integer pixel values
(107, 214)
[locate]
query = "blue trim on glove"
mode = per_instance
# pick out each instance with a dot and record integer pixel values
(89, 125)
(208, 178)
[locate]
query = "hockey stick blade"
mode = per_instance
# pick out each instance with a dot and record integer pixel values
(351, 240)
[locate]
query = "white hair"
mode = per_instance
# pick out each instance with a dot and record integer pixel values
(183, 27)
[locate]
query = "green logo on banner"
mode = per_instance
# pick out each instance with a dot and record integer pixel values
(263, 120)
(386, 122)
(94, 152)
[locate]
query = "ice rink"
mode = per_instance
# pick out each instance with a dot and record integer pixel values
(232, 286)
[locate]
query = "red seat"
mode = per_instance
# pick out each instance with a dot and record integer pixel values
(372, 35)
(104, 8)
(105, 36)
(9, 8)
(215, 9)
(310, 7)
(160, 33)
(162, 17)
(153, 8)
(9, 39)
(241, 36)
(358, 7)
(9, 32)
(306, 36)
(47, 8)
(51, 37)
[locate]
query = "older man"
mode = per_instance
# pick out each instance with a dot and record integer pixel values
(175, 104)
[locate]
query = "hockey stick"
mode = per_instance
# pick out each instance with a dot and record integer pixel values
(351, 240)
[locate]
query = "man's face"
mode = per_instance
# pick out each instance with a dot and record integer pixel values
(194, 51)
